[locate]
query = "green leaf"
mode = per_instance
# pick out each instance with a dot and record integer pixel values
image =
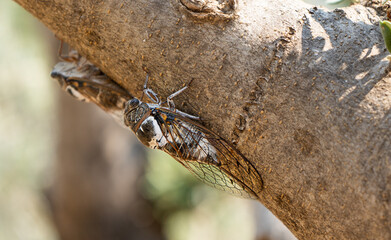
(385, 27)
(332, 2)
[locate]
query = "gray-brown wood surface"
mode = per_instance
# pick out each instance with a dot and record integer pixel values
(304, 93)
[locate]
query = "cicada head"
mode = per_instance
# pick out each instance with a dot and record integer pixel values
(134, 112)
(60, 79)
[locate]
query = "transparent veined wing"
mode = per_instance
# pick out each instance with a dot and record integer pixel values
(208, 156)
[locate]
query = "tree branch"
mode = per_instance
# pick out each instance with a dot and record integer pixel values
(305, 93)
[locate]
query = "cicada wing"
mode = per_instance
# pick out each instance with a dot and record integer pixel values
(217, 178)
(210, 157)
(234, 163)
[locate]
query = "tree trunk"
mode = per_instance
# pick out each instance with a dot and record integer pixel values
(303, 92)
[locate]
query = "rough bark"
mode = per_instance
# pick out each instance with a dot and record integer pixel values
(303, 92)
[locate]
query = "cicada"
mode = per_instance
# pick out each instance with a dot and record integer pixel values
(85, 82)
(209, 157)
(205, 154)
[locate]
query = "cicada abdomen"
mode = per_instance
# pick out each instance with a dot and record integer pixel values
(201, 151)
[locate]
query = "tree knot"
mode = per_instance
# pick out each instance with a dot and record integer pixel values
(211, 10)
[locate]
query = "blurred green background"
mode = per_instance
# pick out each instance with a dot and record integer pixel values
(40, 177)
(26, 125)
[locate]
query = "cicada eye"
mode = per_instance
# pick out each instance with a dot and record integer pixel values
(130, 114)
(132, 104)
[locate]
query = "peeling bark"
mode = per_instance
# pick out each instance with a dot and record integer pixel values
(304, 93)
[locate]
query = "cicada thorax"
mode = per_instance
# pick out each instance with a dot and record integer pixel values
(139, 117)
(158, 129)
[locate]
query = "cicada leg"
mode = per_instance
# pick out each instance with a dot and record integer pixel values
(170, 102)
(150, 93)
(186, 115)
(73, 56)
